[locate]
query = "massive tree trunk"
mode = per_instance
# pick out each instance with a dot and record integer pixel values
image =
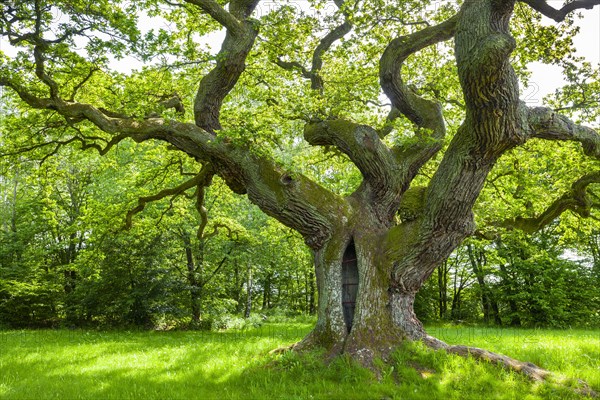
(374, 249)
(394, 260)
(361, 310)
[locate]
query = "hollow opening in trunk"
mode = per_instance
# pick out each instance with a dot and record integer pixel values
(349, 284)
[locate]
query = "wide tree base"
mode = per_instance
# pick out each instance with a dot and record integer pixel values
(368, 358)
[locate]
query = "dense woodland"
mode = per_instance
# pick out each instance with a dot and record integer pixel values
(67, 259)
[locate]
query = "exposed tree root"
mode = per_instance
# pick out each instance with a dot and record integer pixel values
(283, 349)
(531, 370)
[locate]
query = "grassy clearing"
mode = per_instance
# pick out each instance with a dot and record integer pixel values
(236, 365)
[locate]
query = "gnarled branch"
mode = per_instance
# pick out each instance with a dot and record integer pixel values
(544, 123)
(483, 45)
(425, 114)
(199, 179)
(559, 15)
(219, 14)
(207, 173)
(577, 200)
(366, 150)
(231, 63)
(324, 45)
(293, 199)
(294, 66)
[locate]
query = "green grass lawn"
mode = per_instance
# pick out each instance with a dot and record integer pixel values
(236, 365)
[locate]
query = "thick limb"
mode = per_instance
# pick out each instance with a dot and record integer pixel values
(544, 123)
(559, 15)
(425, 114)
(231, 59)
(577, 200)
(373, 158)
(291, 198)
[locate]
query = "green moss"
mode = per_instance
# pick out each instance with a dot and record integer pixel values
(400, 238)
(317, 133)
(412, 203)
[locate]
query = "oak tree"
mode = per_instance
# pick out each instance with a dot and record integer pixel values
(282, 74)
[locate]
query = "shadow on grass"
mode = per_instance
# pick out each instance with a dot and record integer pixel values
(232, 365)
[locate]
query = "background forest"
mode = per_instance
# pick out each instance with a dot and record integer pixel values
(96, 240)
(67, 259)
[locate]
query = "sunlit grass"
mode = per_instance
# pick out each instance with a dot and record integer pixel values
(236, 365)
(571, 352)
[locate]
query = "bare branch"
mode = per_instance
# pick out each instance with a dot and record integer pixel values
(294, 66)
(560, 15)
(215, 231)
(207, 173)
(403, 98)
(83, 81)
(174, 102)
(483, 46)
(218, 268)
(110, 122)
(324, 45)
(544, 123)
(143, 201)
(577, 200)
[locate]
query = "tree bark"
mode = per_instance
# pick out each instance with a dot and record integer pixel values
(443, 290)
(266, 302)
(488, 301)
(395, 252)
(248, 308)
(312, 309)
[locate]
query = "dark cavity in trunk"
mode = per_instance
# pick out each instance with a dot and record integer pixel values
(349, 284)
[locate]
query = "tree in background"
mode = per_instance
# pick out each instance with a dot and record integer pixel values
(140, 276)
(412, 204)
(516, 280)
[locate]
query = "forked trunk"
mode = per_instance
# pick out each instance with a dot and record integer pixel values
(365, 313)
(360, 311)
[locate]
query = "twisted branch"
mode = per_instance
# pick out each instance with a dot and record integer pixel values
(231, 60)
(544, 123)
(363, 146)
(577, 200)
(324, 45)
(219, 14)
(282, 195)
(561, 14)
(425, 114)
(201, 178)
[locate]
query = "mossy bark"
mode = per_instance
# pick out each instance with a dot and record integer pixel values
(395, 259)
(383, 315)
(400, 236)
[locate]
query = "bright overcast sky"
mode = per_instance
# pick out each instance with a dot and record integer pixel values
(545, 79)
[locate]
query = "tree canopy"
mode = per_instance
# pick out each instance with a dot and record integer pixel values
(394, 128)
